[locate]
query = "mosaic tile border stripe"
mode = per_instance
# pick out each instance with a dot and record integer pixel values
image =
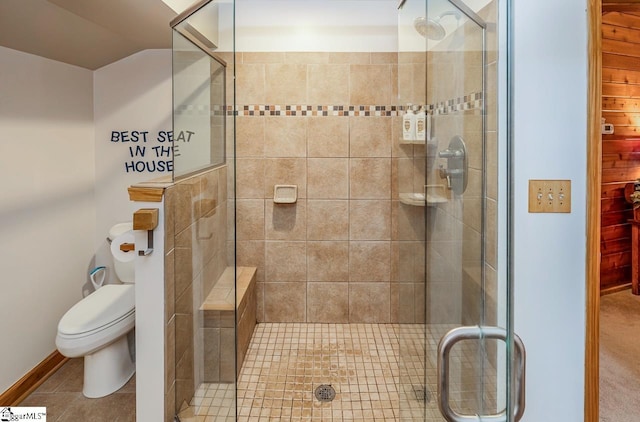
(446, 107)
(472, 101)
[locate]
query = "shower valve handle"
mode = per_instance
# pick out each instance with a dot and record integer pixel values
(451, 153)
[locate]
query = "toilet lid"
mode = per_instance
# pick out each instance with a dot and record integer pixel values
(101, 308)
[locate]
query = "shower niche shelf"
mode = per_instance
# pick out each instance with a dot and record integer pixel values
(434, 195)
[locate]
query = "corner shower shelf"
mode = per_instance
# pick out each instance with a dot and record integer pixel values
(435, 195)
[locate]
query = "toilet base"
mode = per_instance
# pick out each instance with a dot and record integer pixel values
(108, 369)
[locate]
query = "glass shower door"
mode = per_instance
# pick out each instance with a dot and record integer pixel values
(463, 338)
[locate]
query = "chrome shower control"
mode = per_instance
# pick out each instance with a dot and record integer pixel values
(457, 170)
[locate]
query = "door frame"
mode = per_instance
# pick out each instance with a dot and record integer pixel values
(594, 178)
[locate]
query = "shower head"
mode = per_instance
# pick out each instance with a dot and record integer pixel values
(429, 28)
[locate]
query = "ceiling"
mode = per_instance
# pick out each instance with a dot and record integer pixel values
(85, 33)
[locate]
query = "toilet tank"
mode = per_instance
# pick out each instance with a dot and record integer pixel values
(123, 264)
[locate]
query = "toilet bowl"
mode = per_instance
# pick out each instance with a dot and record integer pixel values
(97, 327)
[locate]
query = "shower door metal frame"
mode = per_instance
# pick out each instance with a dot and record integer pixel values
(515, 377)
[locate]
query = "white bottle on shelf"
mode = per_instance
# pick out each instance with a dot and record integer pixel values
(409, 125)
(421, 125)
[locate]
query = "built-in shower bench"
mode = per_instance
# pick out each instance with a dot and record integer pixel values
(218, 323)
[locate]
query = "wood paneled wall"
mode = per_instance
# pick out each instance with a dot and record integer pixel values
(620, 151)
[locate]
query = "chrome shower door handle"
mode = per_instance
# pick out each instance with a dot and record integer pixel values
(477, 333)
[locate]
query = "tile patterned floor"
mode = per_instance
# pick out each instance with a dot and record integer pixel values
(377, 371)
(62, 395)
(286, 362)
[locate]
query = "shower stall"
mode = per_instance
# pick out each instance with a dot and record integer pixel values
(375, 291)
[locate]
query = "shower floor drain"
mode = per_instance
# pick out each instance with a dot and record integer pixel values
(325, 393)
(421, 393)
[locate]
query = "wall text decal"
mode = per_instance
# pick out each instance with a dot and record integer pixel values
(146, 157)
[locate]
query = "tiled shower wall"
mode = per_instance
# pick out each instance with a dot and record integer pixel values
(333, 255)
(196, 256)
(456, 291)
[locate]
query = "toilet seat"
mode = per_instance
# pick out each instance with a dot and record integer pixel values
(98, 311)
(97, 320)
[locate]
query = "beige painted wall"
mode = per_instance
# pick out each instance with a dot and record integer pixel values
(47, 211)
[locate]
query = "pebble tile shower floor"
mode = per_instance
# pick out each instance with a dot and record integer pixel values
(377, 371)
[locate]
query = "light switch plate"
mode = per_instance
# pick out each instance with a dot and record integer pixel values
(550, 196)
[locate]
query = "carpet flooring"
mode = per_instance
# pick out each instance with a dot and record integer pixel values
(620, 357)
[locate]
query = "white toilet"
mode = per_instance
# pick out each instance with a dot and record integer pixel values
(97, 326)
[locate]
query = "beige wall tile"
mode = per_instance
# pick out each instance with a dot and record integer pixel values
(169, 218)
(223, 180)
(419, 262)
(403, 176)
(394, 83)
(285, 136)
(328, 178)
(369, 136)
(184, 334)
(492, 166)
(260, 57)
(184, 392)
(402, 303)
(370, 178)
(211, 233)
(250, 219)
(250, 84)
(445, 301)
(369, 261)
(170, 354)
(187, 241)
(211, 349)
(397, 149)
(408, 222)
(306, 57)
(285, 261)
(250, 253)
(184, 302)
(186, 205)
(327, 220)
(328, 261)
(369, 303)
(286, 221)
(249, 136)
(350, 58)
(184, 273)
(285, 302)
(328, 303)
(227, 355)
(472, 213)
(370, 220)
(406, 94)
(286, 84)
(384, 58)
(169, 285)
(260, 302)
(363, 77)
(402, 262)
(250, 174)
(420, 301)
(285, 171)
(328, 84)
(209, 191)
(328, 136)
(184, 367)
(491, 233)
